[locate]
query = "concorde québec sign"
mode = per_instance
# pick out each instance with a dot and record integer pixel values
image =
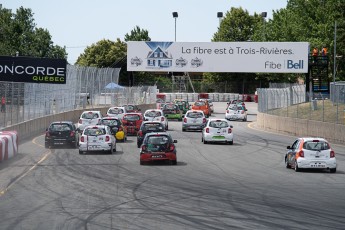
(240, 57)
(33, 70)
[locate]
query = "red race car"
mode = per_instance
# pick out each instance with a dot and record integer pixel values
(132, 122)
(158, 147)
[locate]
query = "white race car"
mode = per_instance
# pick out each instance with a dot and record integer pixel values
(236, 112)
(156, 115)
(97, 138)
(217, 130)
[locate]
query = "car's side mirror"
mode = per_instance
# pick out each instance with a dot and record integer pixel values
(175, 141)
(231, 126)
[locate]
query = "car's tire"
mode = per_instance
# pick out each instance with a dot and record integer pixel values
(141, 163)
(231, 142)
(80, 152)
(167, 127)
(183, 130)
(287, 165)
(333, 170)
(114, 149)
(46, 146)
(174, 162)
(205, 142)
(296, 167)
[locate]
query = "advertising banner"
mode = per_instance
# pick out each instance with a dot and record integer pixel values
(240, 57)
(33, 70)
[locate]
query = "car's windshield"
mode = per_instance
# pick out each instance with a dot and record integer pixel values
(94, 131)
(153, 114)
(218, 124)
(195, 115)
(316, 145)
(89, 115)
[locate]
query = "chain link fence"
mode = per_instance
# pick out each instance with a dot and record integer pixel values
(293, 102)
(86, 87)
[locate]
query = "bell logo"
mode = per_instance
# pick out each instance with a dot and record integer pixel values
(295, 65)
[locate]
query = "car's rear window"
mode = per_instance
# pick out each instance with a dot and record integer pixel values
(219, 124)
(112, 122)
(131, 117)
(115, 111)
(316, 146)
(195, 115)
(157, 143)
(89, 115)
(94, 131)
(130, 107)
(153, 114)
(153, 126)
(199, 103)
(171, 107)
(60, 127)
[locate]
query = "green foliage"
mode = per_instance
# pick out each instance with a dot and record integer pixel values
(137, 34)
(18, 33)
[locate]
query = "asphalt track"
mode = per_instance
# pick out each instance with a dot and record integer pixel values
(214, 186)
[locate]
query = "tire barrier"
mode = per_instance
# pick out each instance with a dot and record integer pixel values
(8, 144)
(192, 97)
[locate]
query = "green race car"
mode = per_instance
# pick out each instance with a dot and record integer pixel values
(172, 111)
(183, 105)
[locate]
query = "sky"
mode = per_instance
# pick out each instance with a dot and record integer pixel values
(77, 24)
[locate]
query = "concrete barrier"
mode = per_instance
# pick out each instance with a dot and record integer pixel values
(38, 126)
(300, 127)
(8, 144)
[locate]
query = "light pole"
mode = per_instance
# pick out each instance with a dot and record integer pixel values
(264, 15)
(175, 15)
(220, 16)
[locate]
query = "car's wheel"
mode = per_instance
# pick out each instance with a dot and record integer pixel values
(141, 162)
(46, 146)
(205, 142)
(245, 119)
(183, 130)
(296, 167)
(287, 165)
(167, 127)
(231, 142)
(174, 162)
(80, 152)
(115, 149)
(333, 170)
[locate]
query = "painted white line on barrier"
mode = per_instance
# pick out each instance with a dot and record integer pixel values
(27, 172)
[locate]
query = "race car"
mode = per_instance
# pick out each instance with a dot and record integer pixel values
(217, 130)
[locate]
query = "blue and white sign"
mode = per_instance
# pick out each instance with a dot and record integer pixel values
(240, 57)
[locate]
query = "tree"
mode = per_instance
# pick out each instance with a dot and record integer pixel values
(18, 33)
(137, 34)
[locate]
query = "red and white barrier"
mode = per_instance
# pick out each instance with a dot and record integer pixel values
(8, 144)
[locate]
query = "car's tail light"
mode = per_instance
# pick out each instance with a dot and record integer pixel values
(120, 129)
(185, 120)
(227, 111)
(47, 134)
(80, 121)
(162, 118)
(229, 130)
(72, 134)
(140, 133)
(300, 153)
(82, 139)
(242, 111)
(204, 120)
(143, 148)
(107, 138)
(332, 155)
(171, 147)
(207, 130)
